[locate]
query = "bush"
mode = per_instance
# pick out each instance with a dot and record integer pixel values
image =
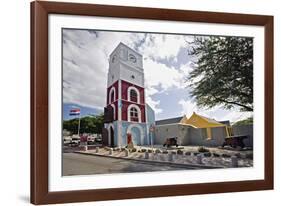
(207, 154)
(165, 152)
(248, 121)
(180, 152)
(134, 150)
(149, 150)
(203, 149)
(188, 153)
(226, 155)
(173, 152)
(216, 155)
(143, 150)
(157, 151)
(195, 153)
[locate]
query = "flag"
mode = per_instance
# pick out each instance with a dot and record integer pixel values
(74, 111)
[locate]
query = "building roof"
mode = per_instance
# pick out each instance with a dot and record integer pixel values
(122, 44)
(200, 121)
(210, 120)
(195, 120)
(226, 122)
(169, 121)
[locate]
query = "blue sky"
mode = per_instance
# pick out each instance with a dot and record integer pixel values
(166, 66)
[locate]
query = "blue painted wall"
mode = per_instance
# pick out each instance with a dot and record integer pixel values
(139, 138)
(150, 122)
(150, 115)
(136, 134)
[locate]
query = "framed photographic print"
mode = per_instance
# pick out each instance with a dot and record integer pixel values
(131, 102)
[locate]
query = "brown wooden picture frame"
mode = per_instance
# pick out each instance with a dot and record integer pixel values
(39, 102)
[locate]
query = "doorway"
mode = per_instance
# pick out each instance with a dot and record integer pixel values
(111, 137)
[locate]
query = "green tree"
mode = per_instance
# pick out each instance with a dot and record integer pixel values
(223, 72)
(245, 121)
(89, 124)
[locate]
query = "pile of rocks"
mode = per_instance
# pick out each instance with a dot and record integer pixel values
(205, 157)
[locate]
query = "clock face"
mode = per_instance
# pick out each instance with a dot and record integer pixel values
(132, 58)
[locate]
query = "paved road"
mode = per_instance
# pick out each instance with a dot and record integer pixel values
(79, 164)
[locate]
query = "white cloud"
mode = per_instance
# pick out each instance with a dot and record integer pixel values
(188, 107)
(163, 46)
(82, 69)
(85, 64)
(160, 75)
(160, 78)
(154, 104)
(218, 113)
(236, 115)
(185, 69)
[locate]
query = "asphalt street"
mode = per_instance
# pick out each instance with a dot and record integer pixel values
(79, 164)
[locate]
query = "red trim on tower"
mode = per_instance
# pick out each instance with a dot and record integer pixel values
(115, 85)
(126, 104)
(125, 85)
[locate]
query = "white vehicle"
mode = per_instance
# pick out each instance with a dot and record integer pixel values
(75, 141)
(67, 140)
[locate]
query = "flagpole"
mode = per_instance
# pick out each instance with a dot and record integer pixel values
(79, 126)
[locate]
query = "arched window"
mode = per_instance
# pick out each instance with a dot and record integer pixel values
(112, 95)
(133, 95)
(134, 115)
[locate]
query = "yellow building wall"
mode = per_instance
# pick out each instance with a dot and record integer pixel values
(209, 133)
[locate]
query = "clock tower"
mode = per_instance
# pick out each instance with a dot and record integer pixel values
(125, 110)
(125, 64)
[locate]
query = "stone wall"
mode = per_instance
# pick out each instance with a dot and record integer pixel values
(171, 130)
(198, 137)
(244, 130)
(188, 135)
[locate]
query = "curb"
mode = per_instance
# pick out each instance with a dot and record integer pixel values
(189, 166)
